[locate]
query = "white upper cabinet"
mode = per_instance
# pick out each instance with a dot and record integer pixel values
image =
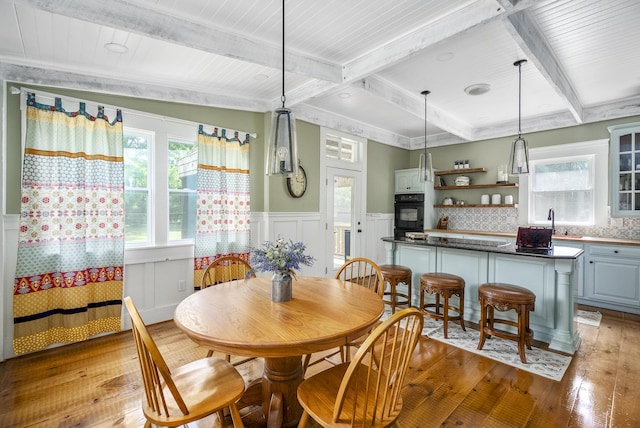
(408, 181)
(624, 170)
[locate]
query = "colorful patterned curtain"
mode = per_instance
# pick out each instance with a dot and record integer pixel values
(222, 215)
(69, 272)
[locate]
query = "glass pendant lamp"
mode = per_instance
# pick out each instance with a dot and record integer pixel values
(519, 158)
(282, 152)
(426, 163)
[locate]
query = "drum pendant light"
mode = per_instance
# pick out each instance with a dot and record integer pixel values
(426, 163)
(519, 159)
(282, 153)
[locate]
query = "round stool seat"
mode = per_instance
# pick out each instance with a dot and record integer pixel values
(443, 285)
(508, 293)
(504, 297)
(394, 275)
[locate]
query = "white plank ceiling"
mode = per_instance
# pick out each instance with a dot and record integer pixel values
(354, 65)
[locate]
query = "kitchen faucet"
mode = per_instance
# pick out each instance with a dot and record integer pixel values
(552, 217)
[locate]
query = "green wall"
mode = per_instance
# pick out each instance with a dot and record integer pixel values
(267, 193)
(382, 161)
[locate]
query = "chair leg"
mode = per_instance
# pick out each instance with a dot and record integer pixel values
(303, 419)
(210, 353)
(305, 363)
(445, 315)
(235, 416)
(483, 323)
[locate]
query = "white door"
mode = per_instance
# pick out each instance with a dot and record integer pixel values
(345, 217)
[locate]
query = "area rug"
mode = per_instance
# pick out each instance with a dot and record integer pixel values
(539, 362)
(588, 317)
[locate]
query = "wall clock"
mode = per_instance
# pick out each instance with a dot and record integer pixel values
(297, 184)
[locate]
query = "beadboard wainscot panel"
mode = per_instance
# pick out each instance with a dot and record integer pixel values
(299, 226)
(9, 253)
(378, 226)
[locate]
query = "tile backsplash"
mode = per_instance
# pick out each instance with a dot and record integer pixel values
(506, 220)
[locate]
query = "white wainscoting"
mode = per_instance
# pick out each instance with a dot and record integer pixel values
(152, 274)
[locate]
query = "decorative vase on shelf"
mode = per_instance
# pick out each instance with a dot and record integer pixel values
(281, 286)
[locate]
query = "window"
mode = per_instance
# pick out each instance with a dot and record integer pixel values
(341, 148)
(571, 179)
(183, 180)
(137, 159)
(566, 185)
(160, 174)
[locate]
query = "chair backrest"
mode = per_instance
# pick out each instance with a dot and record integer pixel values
(370, 392)
(224, 269)
(153, 366)
(364, 272)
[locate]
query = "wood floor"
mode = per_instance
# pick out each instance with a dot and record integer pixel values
(97, 384)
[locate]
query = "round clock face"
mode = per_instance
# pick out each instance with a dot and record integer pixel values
(297, 184)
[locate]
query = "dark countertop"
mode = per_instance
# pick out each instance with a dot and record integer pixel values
(555, 252)
(556, 238)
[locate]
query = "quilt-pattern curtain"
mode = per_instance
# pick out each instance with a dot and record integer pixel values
(223, 211)
(69, 272)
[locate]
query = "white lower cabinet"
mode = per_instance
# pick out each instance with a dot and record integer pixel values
(420, 260)
(537, 275)
(472, 267)
(612, 277)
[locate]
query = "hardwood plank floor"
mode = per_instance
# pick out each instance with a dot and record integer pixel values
(97, 384)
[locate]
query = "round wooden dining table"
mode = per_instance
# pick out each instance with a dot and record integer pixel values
(239, 318)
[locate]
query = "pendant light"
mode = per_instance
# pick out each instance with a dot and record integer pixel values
(519, 159)
(426, 164)
(282, 155)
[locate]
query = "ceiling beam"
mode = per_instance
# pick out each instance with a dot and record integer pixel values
(528, 37)
(391, 53)
(414, 105)
(36, 75)
(148, 22)
(340, 123)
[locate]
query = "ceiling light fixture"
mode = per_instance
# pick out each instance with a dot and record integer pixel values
(519, 158)
(426, 163)
(477, 89)
(282, 155)
(116, 48)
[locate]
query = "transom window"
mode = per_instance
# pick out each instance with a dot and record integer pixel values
(341, 148)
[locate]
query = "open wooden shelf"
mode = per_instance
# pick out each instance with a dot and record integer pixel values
(460, 171)
(477, 206)
(476, 186)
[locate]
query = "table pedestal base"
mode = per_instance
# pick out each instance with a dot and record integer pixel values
(279, 391)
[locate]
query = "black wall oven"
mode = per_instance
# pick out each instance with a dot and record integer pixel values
(409, 214)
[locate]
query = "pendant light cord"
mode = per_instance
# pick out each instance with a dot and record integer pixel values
(519, 64)
(283, 97)
(425, 93)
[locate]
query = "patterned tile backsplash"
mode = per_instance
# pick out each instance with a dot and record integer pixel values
(506, 220)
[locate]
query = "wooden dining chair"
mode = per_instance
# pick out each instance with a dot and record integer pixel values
(188, 393)
(225, 269)
(360, 393)
(366, 273)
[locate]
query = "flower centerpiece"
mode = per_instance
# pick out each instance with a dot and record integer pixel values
(282, 258)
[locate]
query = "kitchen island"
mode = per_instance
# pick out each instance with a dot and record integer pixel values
(550, 274)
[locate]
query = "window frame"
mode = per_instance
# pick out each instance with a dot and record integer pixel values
(599, 149)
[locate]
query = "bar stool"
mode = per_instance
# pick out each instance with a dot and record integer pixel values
(443, 285)
(394, 275)
(504, 297)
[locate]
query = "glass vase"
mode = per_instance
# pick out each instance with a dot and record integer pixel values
(281, 286)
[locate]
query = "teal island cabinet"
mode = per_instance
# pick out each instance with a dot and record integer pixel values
(550, 274)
